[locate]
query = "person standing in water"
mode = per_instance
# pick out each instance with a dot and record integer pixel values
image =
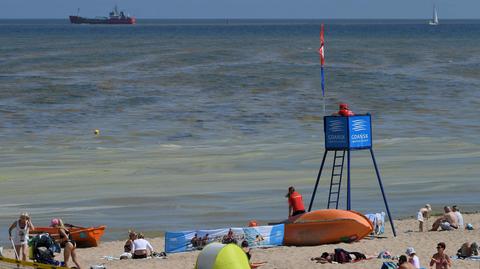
(295, 202)
(22, 227)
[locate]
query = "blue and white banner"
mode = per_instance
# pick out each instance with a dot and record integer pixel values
(259, 236)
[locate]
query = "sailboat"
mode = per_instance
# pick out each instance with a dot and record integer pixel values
(434, 21)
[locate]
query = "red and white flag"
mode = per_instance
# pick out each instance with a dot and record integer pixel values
(321, 50)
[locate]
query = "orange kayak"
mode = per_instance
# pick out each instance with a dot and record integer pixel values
(84, 237)
(325, 227)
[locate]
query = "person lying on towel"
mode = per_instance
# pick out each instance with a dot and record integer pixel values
(340, 256)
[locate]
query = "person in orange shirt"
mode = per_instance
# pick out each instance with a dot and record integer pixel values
(295, 202)
(343, 110)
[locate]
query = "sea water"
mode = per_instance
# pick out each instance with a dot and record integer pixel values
(205, 123)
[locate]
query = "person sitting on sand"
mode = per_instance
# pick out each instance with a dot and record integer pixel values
(295, 202)
(195, 241)
(246, 249)
(440, 259)
(403, 263)
(65, 240)
(204, 241)
(141, 248)
(468, 250)
(229, 238)
(423, 213)
(413, 258)
(22, 227)
(127, 248)
(447, 222)
(258, 239)
(459, 217)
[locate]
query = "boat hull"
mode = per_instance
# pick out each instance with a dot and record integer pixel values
(82, 20)
(84, 237)
(326, 227)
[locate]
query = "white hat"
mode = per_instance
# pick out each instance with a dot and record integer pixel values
(410, 251)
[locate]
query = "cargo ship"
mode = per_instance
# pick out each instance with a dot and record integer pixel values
(114, 17)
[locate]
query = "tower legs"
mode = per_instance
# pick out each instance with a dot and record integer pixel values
(318, 179)
(383, 192)
(349, 205)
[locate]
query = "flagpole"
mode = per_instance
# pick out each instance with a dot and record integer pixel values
(323, 90)
(321, 52)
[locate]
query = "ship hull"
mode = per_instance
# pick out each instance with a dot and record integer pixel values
(82, 20)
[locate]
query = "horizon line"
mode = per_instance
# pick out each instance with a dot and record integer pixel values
(237, 18)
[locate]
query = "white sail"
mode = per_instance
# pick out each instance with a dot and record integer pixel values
(434, 21)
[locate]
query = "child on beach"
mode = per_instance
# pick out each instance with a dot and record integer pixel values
(403, 263)
(127, 248)
(66, 242)
(22, 227)
(246, 249)
(440, 259)
(423, 213)
(413, 258)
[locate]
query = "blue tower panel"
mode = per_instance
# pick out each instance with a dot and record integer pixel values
(336, 132)
(360, 132)
(343, 133)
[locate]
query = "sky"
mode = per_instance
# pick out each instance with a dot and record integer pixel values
(246, 9)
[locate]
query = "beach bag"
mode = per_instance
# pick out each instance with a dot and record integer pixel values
(341, 256)
(389, 265)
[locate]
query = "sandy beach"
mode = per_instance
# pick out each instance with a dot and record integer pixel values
(299, 257)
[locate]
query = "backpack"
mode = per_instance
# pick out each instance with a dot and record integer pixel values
(341, 256)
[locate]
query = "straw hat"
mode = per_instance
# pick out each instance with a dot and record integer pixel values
(427, 206)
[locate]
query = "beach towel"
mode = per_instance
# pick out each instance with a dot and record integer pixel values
(389, 265)
(471, 258)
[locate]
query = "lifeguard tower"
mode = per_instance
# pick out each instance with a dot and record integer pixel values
(343, 135)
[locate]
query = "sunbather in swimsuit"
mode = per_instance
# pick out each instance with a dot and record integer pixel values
(440, 259)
